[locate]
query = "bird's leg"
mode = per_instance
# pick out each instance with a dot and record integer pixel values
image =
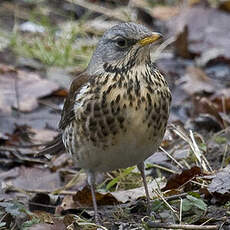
(91, 181)
(141, 168)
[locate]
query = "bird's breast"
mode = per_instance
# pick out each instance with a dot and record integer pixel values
(120, 115)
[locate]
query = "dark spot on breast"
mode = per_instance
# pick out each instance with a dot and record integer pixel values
(149, 99)
(97, 89)
(109, 89)
(102, 124)
(149, 88)
(115, 77)
(158, 109)
(114, 85)
(120, 83)
(159, 125)
(130, 97)
(104, 132)
(138, 102)
(92, 138)
(106, 79)
(83, 117)
(112, 103)
(153, 117)
(118, 98)
(105, 111)
(92, 124)
(96, 106)
(120, 119)
(97, 113)
(143, 99)
(87, 109)
(114, 133)
(110, 120)
(164, 107)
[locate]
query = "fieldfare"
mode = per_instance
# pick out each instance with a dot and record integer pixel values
(116, 112)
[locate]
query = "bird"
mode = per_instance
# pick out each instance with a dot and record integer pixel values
(117, 109)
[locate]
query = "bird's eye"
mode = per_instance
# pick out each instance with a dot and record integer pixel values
(121, 42)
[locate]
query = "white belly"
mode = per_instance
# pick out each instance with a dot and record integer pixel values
(124, 150)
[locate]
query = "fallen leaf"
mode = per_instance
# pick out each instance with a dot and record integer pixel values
(225, 5)
(20, 89)
(202, 105)
(221, 100)
(196, 81)
(178, 180)
(42, 135)
(163, 13)
(208, 28)
(221, 183)
(136, 193)
(38, 119)
(181, 44)
(84, 198)
(36, 179)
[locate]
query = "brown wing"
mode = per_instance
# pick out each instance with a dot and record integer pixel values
(56, 146)
(68, 110)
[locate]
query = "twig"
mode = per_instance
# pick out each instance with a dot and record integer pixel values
(27, 158)
(70, 184)
(111, 13)
(181, 209)
(152, 224)
(174, 197)
(159, 194)
(161, 167)
(181, 166)
(224, 156)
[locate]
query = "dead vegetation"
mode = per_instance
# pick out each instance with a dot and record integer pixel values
(43, 45)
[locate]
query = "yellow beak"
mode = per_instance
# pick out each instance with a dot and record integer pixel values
(150, 39)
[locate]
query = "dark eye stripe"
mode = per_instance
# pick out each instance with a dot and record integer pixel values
(128, 42)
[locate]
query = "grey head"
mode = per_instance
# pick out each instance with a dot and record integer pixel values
(120, 43)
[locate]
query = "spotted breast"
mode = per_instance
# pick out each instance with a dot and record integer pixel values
(119, 118)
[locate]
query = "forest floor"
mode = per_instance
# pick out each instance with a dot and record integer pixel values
(43, 45)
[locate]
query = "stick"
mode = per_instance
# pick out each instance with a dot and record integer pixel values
(152, 224)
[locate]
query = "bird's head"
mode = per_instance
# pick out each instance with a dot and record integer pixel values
(121, 45)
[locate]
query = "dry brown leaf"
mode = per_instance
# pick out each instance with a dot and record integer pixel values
(221, 183)
(136, 193)
(36, 179)
(181, 44)
(20, 89)
(178, 180)
(222, 100)
(196, 81)
(84, 198)
(208, 29)
(203, 105)
(163, 13)
(42, 135)
(225, 5)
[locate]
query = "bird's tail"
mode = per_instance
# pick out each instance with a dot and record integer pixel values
(55, 146)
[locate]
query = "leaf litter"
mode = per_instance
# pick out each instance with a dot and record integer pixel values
(191, 188)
